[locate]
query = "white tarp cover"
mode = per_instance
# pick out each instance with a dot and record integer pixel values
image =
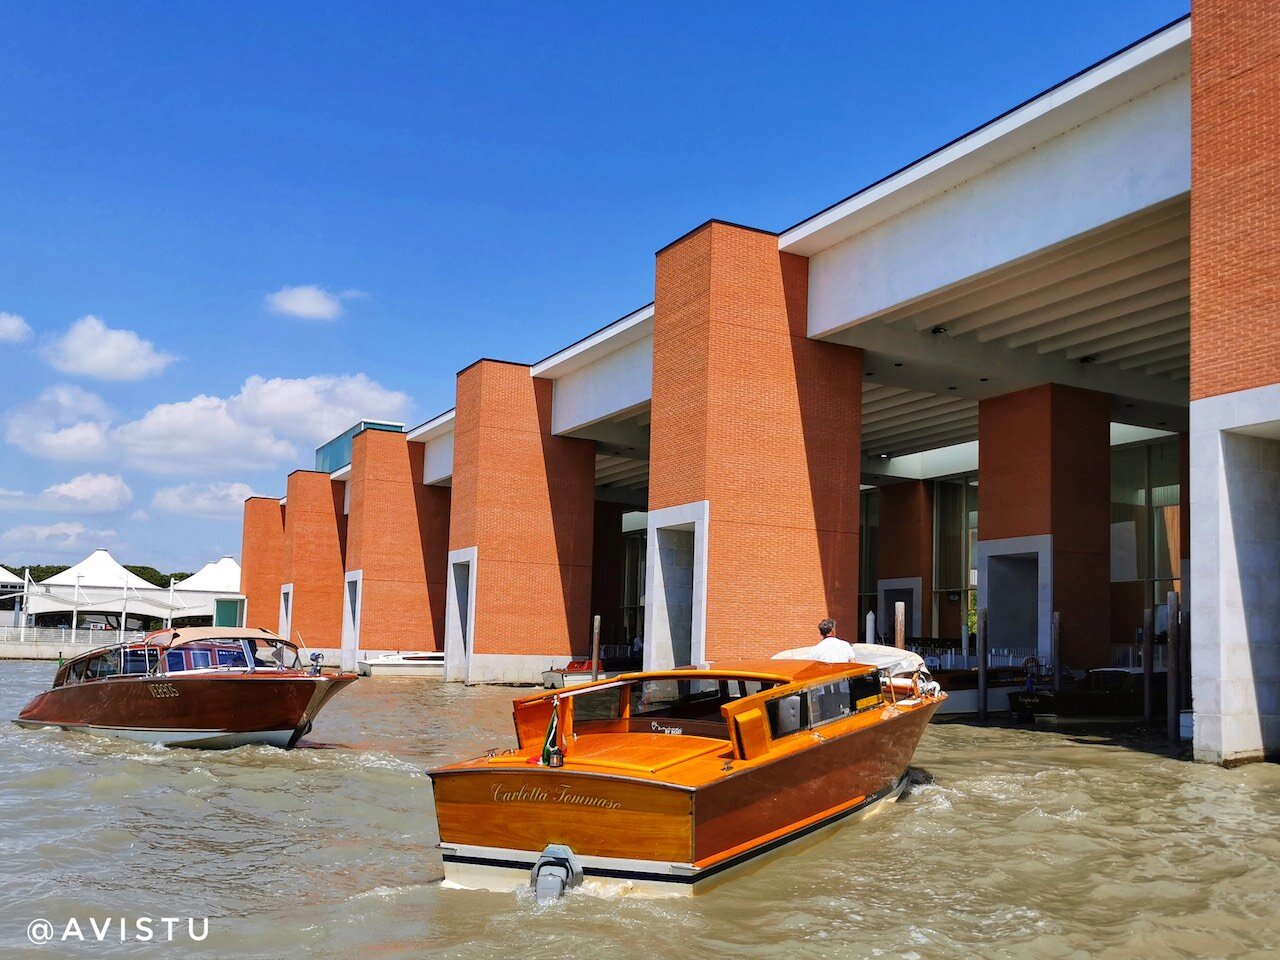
(891, 660)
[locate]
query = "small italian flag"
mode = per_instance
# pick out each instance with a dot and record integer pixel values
(553, 731)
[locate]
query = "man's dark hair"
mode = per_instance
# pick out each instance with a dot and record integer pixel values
(827, 627)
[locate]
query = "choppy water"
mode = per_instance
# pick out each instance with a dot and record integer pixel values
(1027, 844)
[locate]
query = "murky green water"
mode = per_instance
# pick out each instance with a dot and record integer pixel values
(1027, 844)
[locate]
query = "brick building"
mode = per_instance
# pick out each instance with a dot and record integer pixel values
(1013, 376)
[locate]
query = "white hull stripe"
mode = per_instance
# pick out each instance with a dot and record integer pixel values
(673, 873)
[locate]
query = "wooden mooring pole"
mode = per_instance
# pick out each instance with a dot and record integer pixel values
(595, 647)
(1173, 661)
(900, 625)
(1148, 666)
(1055, 649)
(982, 665)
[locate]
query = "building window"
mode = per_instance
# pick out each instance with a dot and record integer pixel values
(955, 551)
(1146, 534)
(635, 551)
(868, 550)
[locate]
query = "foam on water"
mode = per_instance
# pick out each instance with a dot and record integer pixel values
(1009, 843)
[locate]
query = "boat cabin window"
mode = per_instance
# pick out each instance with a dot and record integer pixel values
(822, 704)
(669, 706)
(699, 699)
(104, 665)
(139, 661)
(597, 705)
(231, 657)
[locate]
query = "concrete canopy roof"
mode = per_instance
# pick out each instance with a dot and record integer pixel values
(1142, 65)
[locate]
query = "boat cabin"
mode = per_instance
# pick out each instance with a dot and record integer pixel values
(741, 713)
(168, 653)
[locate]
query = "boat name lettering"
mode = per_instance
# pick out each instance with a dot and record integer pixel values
(659, 728)
(162, 689)
(560, 793)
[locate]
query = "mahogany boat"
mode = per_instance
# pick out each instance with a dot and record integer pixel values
(209, 687)
(673, 781)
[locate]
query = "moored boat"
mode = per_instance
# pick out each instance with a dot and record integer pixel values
(672, 781)
(429, 665)
(1104, 695)
(209, 687)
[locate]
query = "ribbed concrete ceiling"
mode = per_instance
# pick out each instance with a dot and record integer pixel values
(1119, 296)
(624, 466)
(899, 420)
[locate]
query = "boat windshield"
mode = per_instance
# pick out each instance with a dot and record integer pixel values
(666, 705)
(232, 653)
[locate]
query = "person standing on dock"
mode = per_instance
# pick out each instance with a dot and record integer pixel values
(831, 649)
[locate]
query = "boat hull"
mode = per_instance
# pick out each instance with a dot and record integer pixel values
(429, 671)
(212, 711)
(660, 837)
(504, 870)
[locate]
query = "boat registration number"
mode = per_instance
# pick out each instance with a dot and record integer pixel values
(162, 689)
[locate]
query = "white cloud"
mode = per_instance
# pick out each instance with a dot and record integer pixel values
(13, 328)
(93, 349)
(90, 493)
(268, 422)
(310, 302)
(62, 423)
(87, 493)
(71, 538)
(316, 409)
(204, 499)
(140, 516)
(198, 434)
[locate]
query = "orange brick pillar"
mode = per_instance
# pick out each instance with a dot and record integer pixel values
(520, 529)
(905, 557)
(1044, 469)
(314, 541)
(262, 561)
(1233, 600)
(397, 547)
(754, 456)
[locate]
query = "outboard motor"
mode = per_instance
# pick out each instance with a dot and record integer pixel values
(556, 871)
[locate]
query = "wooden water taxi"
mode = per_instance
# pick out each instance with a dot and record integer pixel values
(672, 781)
(209, 687)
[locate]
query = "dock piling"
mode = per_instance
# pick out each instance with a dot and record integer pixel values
(982, 665)
(1148, 666)
(900, 625)
(1055, 649)
(1173, 660)
(595, 647)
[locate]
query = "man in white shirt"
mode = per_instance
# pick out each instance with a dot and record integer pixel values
(831, 649)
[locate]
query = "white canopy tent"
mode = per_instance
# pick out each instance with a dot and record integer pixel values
(99, 583)
(198, 594)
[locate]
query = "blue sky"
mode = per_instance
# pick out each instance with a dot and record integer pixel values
(456, 180)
